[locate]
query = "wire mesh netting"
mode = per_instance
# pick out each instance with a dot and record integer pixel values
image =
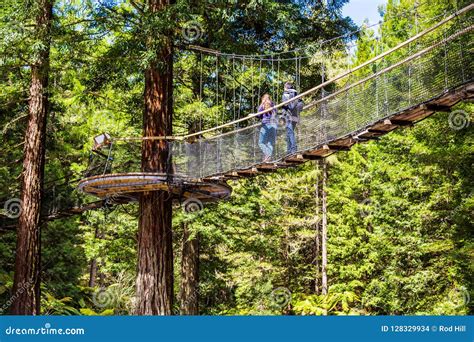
(418, 72)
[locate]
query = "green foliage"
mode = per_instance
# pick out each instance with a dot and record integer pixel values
(53, 306)
(400, 209)
(332, 303)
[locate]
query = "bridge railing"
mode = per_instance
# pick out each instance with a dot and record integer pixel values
(433, 63)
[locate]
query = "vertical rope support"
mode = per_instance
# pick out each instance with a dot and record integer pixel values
(409, 76)
(296, 70)
(259, 80)
(219, 142)
(217, 82)
(385, 87)
(299, 72)
(462, 59)
(233, 86)
(241, 85)
(276, 99)
(348, 91)
(224, 106)
(323, 105)
(200, 76)
(252, 84)
(200, 90)
(445, 60)
(273, 80)
(219, 156)
(279, 83)
(109, 158)
(377, 48)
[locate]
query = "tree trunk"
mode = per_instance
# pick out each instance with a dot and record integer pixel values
(155, 249)
(93, 272)
(317, 238)
(189, 294)
(324, 232)
(93, 265)
(189, 287)
(25, 299)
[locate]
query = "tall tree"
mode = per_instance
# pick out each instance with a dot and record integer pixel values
(27, 260)
(155, 249)
(324, 230)
(189, 290)
(317, 236)
(189, 287)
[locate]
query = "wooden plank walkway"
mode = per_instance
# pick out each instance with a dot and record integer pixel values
(408, 117)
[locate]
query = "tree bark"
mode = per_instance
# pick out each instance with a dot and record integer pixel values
(93, 272)
(26, 298)
(189, 293)
(317, 238)
(155, 249)
(189, 287)
(93, 265)
(324, 232)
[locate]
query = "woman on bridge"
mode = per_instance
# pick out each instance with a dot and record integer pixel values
(266, 140)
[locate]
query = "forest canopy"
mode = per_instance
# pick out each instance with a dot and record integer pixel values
(395, 214)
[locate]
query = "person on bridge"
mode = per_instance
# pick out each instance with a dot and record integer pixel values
(267, 137)
(291, 112)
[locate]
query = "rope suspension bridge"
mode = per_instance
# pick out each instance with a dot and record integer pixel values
(429, 72)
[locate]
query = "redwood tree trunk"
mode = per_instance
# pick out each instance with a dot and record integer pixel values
(93, 264)
(324, 232)
(189, 293)
(92, 272)
(317, 238)
(155, 249)
(25, 298)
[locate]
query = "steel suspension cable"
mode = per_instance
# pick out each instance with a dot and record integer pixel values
(362, 65)
(339, 77)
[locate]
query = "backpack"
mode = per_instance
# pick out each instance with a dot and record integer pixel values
(295, 107)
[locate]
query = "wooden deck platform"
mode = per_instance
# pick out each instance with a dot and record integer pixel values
(126, 187)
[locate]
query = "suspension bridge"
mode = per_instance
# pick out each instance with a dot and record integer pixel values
(427, 73)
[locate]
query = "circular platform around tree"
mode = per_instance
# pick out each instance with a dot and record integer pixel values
(126, 187)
